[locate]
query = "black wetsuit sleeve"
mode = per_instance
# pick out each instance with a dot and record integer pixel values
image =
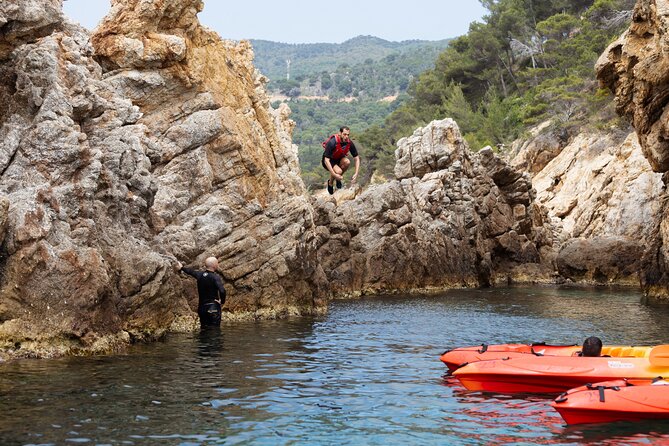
(354, 150)
(192, 272)
(330, 148)
(221, 288)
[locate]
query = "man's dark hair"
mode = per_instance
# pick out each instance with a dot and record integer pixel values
(592, 346)
(343, 127)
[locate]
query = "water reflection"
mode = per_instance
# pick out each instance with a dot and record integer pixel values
(367, 373)
(210, 342)
(620, 433)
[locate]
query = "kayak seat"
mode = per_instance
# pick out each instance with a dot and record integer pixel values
(619, 352)
(616, 351)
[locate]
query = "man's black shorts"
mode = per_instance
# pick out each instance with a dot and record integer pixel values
(332, 163)
(210, 314)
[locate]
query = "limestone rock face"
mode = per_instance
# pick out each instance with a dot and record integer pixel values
(26, 21)
(429, 149)
(635, 68)
(534, 153)
(600, 185)
(452, 218)
(600, 191)
(152, 140)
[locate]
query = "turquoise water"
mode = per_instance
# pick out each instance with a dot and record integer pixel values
(367, 373)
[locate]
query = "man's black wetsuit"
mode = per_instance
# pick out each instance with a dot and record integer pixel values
(212, 296)
(330, 148)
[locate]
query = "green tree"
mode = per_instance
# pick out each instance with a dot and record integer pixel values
(326, 81)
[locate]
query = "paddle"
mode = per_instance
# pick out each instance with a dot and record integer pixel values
(659, 356)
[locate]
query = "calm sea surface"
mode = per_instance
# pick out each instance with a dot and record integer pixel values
(367, 373)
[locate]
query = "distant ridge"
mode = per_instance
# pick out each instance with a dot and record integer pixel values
(309, 58)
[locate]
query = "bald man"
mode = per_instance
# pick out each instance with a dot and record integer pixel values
(210, 290)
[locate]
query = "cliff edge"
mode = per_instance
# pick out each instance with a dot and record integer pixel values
(635, 69)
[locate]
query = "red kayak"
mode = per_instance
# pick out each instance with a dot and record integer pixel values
(554, 374)
(460, 356)
(620, 400)
(457, 357)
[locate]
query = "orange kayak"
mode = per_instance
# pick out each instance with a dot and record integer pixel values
(620, 400)
(460, 356)
(457, 357)
(554, 374)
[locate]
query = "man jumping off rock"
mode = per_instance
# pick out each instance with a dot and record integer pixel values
(335, 158)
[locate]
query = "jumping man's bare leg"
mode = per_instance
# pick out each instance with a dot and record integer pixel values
(338, 171)
(341, 168)
(344, 165)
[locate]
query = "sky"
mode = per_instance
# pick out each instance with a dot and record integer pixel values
(313, 21)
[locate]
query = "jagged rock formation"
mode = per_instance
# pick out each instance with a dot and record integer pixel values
(603, 196)
(601, 185)
(635, 68)
(532, 154)
(452, 218)
(153, 138)
(27, 21)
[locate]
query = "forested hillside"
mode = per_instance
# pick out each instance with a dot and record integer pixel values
(316, 120)
(530, 60)
(367, 80)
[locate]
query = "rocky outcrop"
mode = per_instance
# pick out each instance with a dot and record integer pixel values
(601, 186)
(533, 153)
(600, 191)
(26, 21)
(152, 140)
(635, 68)
(451, 219)
(601, 260)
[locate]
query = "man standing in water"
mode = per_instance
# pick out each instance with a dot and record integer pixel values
(335, 158)
(210, 290)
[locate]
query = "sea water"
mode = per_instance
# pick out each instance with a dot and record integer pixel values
(367, 373)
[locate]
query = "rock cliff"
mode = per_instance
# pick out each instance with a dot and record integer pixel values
(153, 140)
(603, 196)
(149, 139)
(451, 219)
(635, 68)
